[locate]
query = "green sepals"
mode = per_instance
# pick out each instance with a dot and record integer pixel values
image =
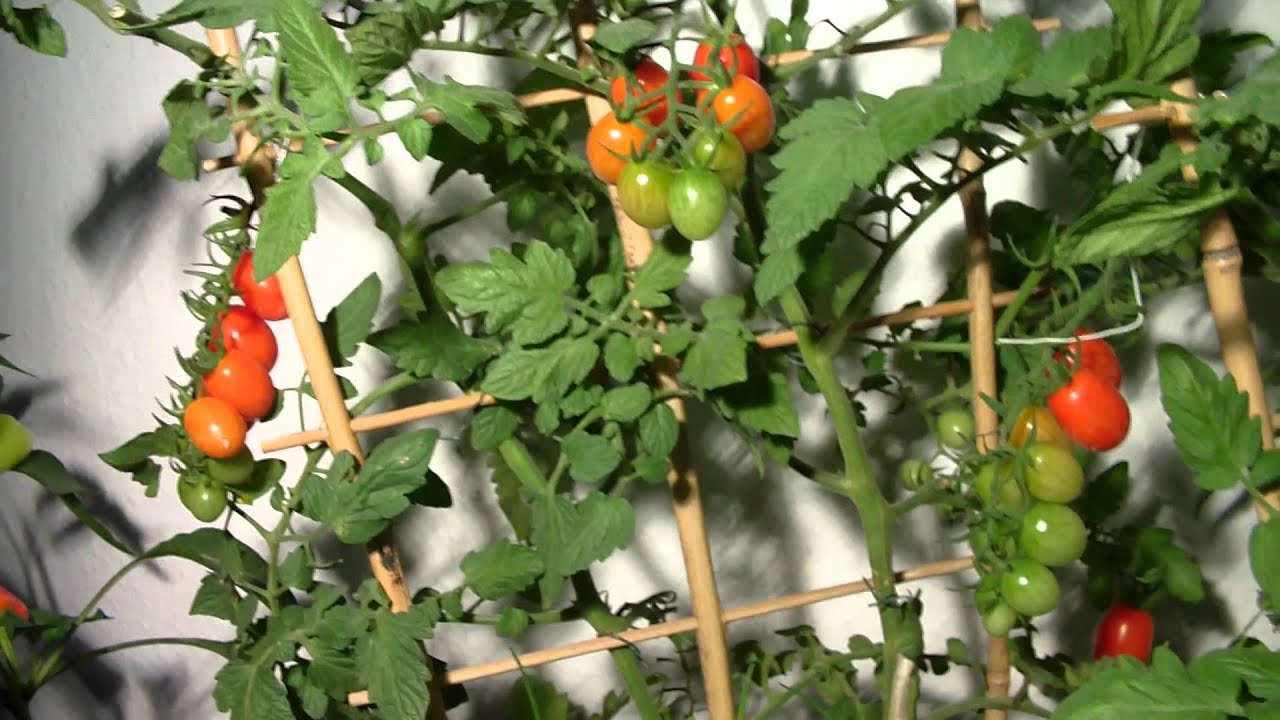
(526, 295)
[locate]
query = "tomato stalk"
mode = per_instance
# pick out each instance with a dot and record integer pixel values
(566, 72)
(985, 703)
(847, 43)
(134, 23)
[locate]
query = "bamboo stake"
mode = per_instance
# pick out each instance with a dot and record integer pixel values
(973, 198)
(383, 556)
(713, 651)
(1223, 285)
(470, 401)
(682, 625)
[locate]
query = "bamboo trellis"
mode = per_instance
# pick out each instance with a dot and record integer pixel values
(1222, 269)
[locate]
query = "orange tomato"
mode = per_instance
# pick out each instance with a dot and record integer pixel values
(745, 108)
(243, 383)
(214, 427)
(11, 603)
(610, 145)
(1047, 429)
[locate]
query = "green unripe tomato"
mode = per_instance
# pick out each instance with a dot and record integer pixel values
(1052, 534)
(722, 153)
(999, 620)
(1030, 588)
(1054, 474)
(206, 501)
(955, 428)
(996, 482)
(698, 203)
(234, 471)
(914, 474)
(644, 190)
(15, 442)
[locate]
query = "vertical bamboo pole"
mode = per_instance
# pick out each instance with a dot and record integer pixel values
(982, 360)
(384, 559)
(682, 477)
(1221, 263)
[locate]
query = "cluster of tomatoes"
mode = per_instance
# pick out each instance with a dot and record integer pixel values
(235, 394)
(735, 118)
(1089, 407)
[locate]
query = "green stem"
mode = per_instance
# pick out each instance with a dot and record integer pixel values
(216, 647)
(606, 623)
(982, 703)
(567, 72)
(927, 346)
(1028, 287)
(516, 456)
(197, 52)
(467, 213)
(388, 387)
(847, 43)
(547, 617)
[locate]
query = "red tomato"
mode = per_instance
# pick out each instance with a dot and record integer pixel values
(745, 108)
(650, 78)
(265, 298)
(1095, 355)
(214, 427)
(1091, 411)
(11, 603)
(244, 330)
(1124, 631)
(735, 55)
(610, 145)
(243, 383)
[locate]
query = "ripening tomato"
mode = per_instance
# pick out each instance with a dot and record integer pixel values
(644, 189)
(745, 108)
(243, 383)
(1096, 355)
(650, 78)
(1091, 411)
(1035, 421)
(214, 427)
(234, 471)
(734, 55)
(1052, 534)
(242, 329)
(12, 603)
(1054, 474)
(955, 428)
(722, 153)
(1030, 588)
(610, 145)
(1124, 630)
(15, 442)
(265, 298)
(698, 203)
(206, 501)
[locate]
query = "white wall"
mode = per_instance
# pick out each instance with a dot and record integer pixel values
(94, 240)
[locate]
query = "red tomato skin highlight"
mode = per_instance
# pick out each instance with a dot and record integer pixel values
(1091, 411)
(1124, 630)
(241, 382)
(242, 329)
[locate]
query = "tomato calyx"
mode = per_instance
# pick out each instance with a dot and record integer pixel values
(644, 91)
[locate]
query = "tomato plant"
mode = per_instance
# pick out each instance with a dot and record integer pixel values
(647, 88)
(206, 501)
(215, 427)
(644, 190)
(1000, 484)
(1091, 411)
(264, 298)
(239, 328)
(611, 144)
(15, 442)
(1053, 474)
(744, 107)
(697, 203)
(722, 153)
(243, 383)
(733, 54)
(1124, 630)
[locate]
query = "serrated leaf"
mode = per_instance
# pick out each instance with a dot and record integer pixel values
(1070, 63)
(289, 213)
(133, 454)
(778, 272)
(214, 550)
(383, 42)
(1227, 669)
(526, 296)
(1219, 53)
(391, 660)
(571, 537)
(463, 106)
(189, 116)
(415, 135)
(212, 14)
(1209, 419)
(35, 28)
(1154, 39)
(659, 431)
(250, 691)
(591, 457)
(1131, 690)
(625, 404)
(1258, 96)
(766, 406)
(492, 426)
(1266, 469)
(664, 270)
(620, 357)
(296, 569)
(545, 374)
(532, 698)
(1105, 494)
(1264, 559)
(435, 348)
(349, 322)
(718, 357)
(323, 75)
(619, 37)
(502, 569)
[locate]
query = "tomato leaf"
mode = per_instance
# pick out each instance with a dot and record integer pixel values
(434, 348)
(778, 272)
(1154, 39)
(524, 295)
(1264, 559)
(49, 471)
(502, 569)
(620, 357)
(190, 117)
(764, 405)
(626, 404)
(212, 14)
(664, 270)
(390, 660)
(1219, 55)
(1105, 494)
(1209, 418)
(570, 537)
(659, 431)
(348, 323)
(492, 426)
(532, 698)
(545, 374)
(296, 569)
(619, 37)
(464, 106)
(1073, 61)
(718, 357)
(251, 691)
(214, 550)
(1255, 97)
(591, 457)
(1129, 689)
(217, 597)
(415, 135)
(289, 213)
(383, 42)
(323, 75)
(35, 28)
(1257, 668)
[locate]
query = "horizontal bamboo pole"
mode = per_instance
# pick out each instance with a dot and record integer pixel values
(470, 401)
(681, 625)
(562, 95)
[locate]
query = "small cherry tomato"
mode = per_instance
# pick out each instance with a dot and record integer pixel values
(698, 203)
(1054, 474)
(234, 471)
(241, 329)
(1091, 411)
(1096, 355)
(15, 442)
(206, 501)
(1124, 630)
(12, 603)
(745, 109)
(722, 153)
(734, 55)
(1036, 421)
(955, 428)
(650, 78)
(997, 484)
(1030, 588)
(914, 474)
(242, 382)
(999, 620)
(1052, 534)
(610, 145)
(214, 427)
(644, 191)
(265, 298)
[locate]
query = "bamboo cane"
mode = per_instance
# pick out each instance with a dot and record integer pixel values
(1223, 285)
(259, 170)
(682, 477)
(973, 198)
(681, 625)
(470, 401)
